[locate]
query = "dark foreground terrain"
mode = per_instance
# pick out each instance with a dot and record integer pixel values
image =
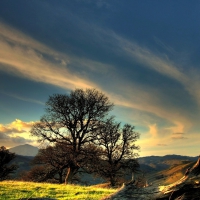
(186, 188)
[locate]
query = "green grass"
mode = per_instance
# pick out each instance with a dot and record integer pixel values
(18, 190)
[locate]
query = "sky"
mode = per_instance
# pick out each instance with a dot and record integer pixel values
(143, 55)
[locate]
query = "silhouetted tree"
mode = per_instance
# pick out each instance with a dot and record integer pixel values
(73, 119)
(39, 173)
(5, 158)
(58, 159)
(118, 156)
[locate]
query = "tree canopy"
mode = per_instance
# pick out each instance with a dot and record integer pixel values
(73, 119)
(119, 150)
(79, 122)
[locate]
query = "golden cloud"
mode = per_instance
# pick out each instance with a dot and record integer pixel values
(16, 132)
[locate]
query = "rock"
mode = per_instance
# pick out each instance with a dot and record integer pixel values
(134, 193)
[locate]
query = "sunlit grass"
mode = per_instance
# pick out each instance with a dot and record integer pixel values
(18, 190)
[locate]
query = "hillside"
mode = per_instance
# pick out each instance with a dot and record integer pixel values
(153, 164)
(24, 164)
(170, 175)
(157, 169)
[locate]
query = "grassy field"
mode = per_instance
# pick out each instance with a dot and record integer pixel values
(18, 190)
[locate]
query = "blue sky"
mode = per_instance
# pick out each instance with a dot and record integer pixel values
(144, 55)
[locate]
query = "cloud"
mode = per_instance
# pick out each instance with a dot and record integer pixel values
(150, 59)
(9, 130)
(15, 133)
(20, 140)
(25, 57)
(15, 128)
(153, 130)
(177, 128)
(162, 145)
(20, 125)
(147, 101)
(3, 136)
(188, 77)
(23, 98)
(133, 95)
(178, 136)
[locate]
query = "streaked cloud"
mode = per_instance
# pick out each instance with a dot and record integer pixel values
(151, 60)
(162, 145)
(188, 77)
(24, 56)
(23, 98)
(178, 136)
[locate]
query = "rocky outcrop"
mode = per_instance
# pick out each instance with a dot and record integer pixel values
(131, 192)
(187, 188)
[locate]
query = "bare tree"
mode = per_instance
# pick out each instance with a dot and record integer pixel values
(119, 150)
(56, 158)
(5, 158)
(73, 119)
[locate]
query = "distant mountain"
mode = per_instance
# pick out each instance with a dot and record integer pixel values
(24, 150)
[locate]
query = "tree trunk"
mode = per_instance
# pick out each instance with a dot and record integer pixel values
(67, 175)
(112, 182)
(60, 177)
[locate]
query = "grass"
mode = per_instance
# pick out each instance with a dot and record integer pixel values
(18, 190)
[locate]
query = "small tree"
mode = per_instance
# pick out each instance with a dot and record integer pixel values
(58, 158)
(5, 158)
(118, 157)
(53, 162)
(73, 119)
(39, 173)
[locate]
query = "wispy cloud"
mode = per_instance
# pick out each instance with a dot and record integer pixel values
(162, 145)
(189, 77)
(23, 98)
(178, 136)
(150, 59)
(24, 56)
